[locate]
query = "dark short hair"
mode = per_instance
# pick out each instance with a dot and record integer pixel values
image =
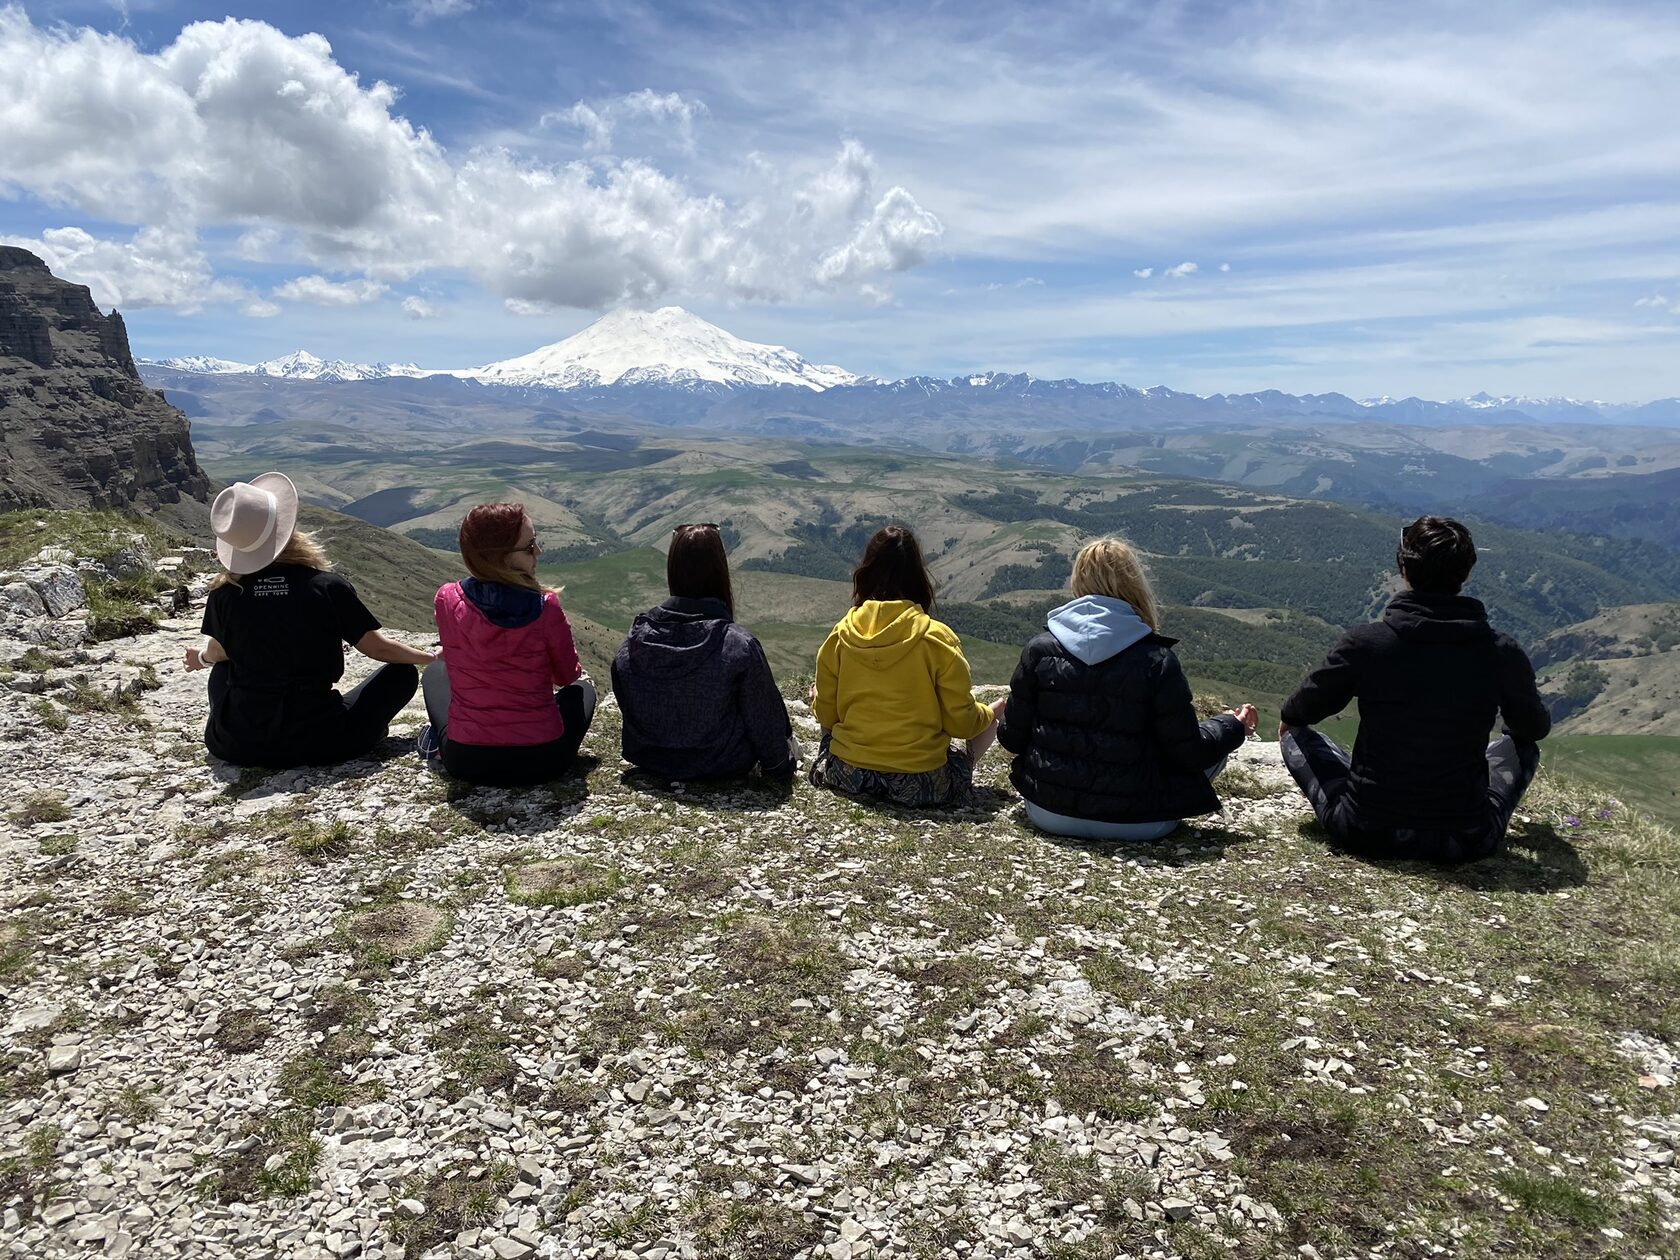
(1436, 555)
(696, 566)
(892, 568)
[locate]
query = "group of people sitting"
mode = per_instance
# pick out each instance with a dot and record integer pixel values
(1106, 740)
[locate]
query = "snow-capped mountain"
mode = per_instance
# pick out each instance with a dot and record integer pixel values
(668, 346)
(299, 365)
(202, 364)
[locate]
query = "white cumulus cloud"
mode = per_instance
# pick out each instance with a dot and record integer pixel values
(1183, 269)
(1143, 273)
(159, 266)
(418, 308)
(236, 124)
(320, 291)
(601, 120)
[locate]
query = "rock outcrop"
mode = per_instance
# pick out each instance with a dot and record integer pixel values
(78, 427)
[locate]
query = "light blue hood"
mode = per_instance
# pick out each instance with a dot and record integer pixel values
(1096, 627)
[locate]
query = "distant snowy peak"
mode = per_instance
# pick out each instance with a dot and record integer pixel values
(202, 364)
(667, 346)
(1485, 400)
(299, 365)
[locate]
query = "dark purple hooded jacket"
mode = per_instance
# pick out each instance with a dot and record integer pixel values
(697, 695)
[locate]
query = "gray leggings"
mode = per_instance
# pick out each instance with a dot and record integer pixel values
(1322, 770)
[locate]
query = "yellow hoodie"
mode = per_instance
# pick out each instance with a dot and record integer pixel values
(894, 688)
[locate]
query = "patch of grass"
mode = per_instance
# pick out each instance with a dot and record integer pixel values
(40, 1145)
(1556, 1197)
(85, 533)
(1092, 1080)
(126, 904)
(1081, 1179)
(58, 846)
(50, 716)
(1241, 783)
(120, 701)
(245, 1176)
(242, 1031)
(313, 1081)
(40, 807)
(319, 842)
(25, 1179)
(120, 610)
(769, 986)
(394, 930)
(561, 882)
(756, 1228)
(17, 960)
(339, 1019)
(135, 1103)
(36, 660)
(476, 1046)
(459, 1196)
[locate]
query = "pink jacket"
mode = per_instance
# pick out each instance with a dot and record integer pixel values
(502, 679)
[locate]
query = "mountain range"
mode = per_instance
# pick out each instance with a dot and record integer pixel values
(650, 360)
(299, 365)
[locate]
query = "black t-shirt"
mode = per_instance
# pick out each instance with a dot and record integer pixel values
(283, 630)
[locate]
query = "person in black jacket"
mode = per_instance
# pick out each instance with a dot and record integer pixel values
(1430, 677)
(1106, 742)
(696, 692)
(275, 627)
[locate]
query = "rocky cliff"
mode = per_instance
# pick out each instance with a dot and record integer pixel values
(78, 428)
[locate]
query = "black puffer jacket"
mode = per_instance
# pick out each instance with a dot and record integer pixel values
(1430, 678)
(1112, 738)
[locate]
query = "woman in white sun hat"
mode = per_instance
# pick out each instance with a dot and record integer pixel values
(273, 628)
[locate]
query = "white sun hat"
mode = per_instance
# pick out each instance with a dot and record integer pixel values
(254, 521)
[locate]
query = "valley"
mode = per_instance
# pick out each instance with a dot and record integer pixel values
(1255, 583)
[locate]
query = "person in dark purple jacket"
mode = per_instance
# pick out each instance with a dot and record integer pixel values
(695, 689)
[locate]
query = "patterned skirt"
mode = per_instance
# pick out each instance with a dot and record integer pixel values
(950, 784)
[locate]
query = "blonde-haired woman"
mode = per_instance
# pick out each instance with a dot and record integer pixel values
(1106, 742)
(274, 628)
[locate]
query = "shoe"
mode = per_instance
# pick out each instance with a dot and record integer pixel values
(427, 746)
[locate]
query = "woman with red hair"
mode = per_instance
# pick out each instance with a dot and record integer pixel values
(508, 704)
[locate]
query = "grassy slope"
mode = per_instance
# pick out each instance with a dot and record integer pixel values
(1643, 770)
(22, 534)
(1363, 1038)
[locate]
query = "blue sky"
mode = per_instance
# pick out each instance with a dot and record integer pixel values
(1425, 199)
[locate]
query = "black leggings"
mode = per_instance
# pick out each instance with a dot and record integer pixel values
(510, 765)
(1322, 770)
(369, 707)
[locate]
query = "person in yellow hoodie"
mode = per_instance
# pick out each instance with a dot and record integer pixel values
(893, 689)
